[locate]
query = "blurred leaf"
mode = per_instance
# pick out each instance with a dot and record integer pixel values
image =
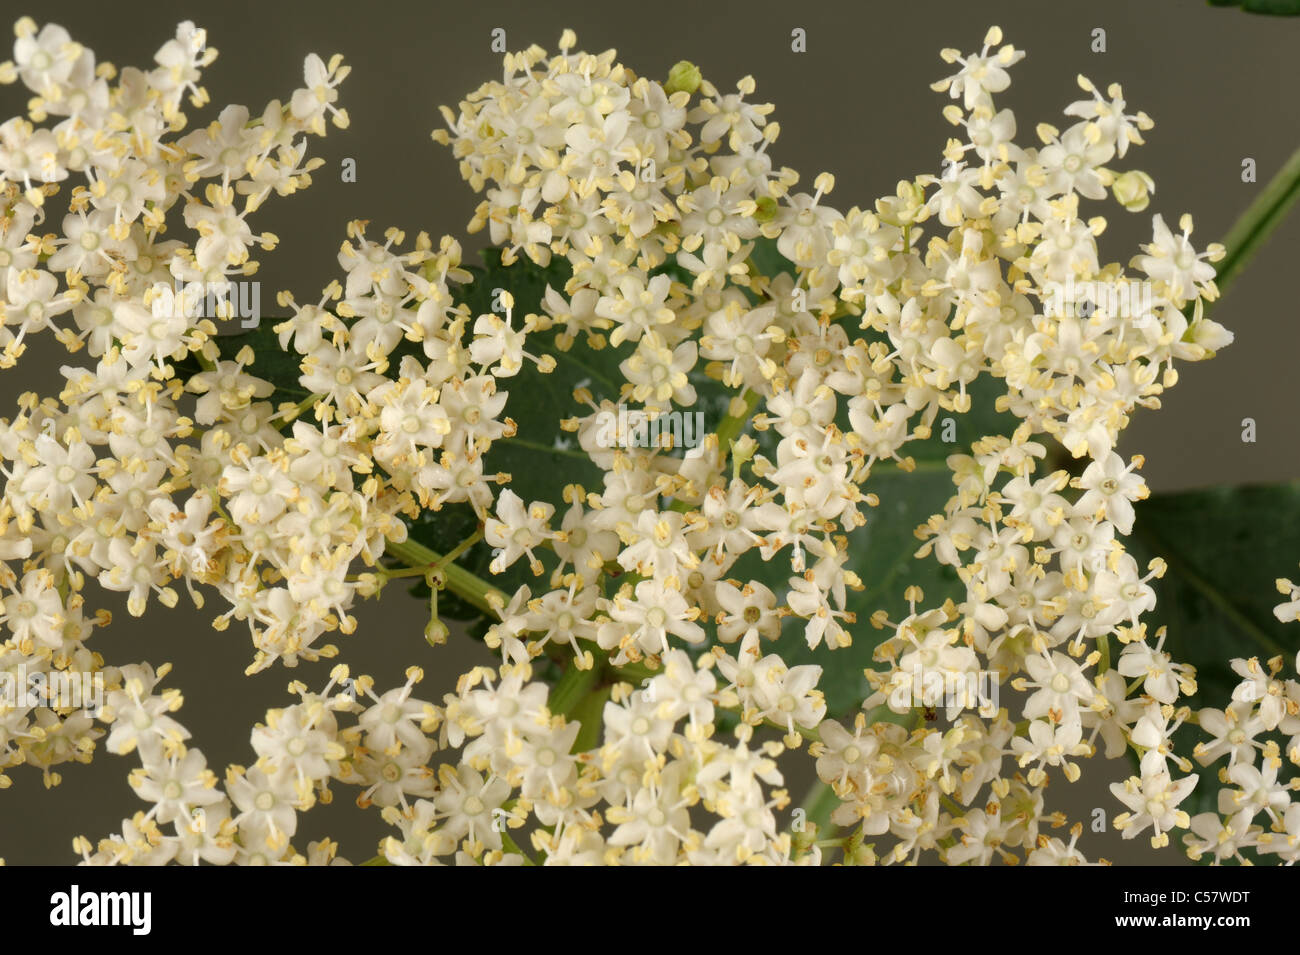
(769, 259)
(1276, 8)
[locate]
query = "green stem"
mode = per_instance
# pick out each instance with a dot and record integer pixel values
(215, 498)
(451, 556)
(511, 846)
(534, 446)
(728, 430)
(589, 713)
(955, 809)
(572, 688)
(307, 404)
(575, 684)
(816, 808)
(634, 673)
(813, 735)
(819, 803)
(730, 426)
(469, 587)
(1257, 223)
(403, 572)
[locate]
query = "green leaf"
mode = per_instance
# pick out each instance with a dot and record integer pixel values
(1225, 547)
(541, 458)
(1276, 8)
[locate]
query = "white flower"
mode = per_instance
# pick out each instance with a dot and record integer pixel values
(1152, 801)
(516, 530)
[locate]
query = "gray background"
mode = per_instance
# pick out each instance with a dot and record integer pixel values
(1218, 84)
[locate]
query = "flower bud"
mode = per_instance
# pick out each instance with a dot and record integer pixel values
(685, 75)
(436, 632)
(1133, 190)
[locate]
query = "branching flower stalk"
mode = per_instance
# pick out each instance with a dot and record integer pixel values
(836, 339)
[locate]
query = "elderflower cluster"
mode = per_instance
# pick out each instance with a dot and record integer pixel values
(163, 462)
(90, 477)
(1048, 582)
(1255, 809)
(511, 760)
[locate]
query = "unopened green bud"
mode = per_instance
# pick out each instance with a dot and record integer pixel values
(767, 209)
(685, 75)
